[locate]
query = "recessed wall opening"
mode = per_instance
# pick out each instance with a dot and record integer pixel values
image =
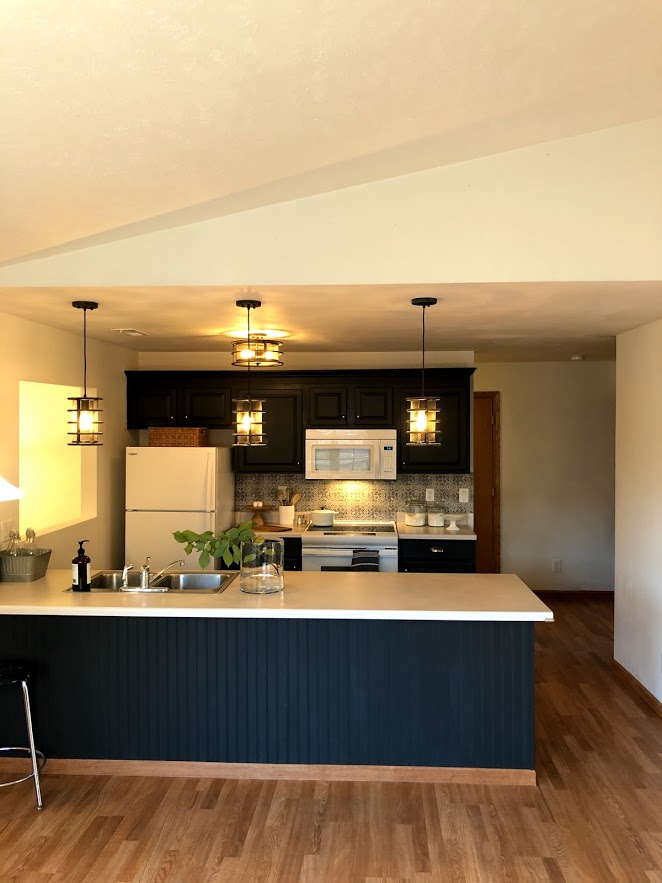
(59, 482)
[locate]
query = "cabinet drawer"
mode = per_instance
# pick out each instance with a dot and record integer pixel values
(443, 556)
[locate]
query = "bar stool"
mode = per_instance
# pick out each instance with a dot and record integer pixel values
(17, 673)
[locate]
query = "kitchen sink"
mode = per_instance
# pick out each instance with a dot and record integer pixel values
(196, 583)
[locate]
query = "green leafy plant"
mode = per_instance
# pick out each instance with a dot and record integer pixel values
(225, 545)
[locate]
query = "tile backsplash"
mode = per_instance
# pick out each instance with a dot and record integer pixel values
(356, 499)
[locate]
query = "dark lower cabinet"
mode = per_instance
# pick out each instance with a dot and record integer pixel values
(437, 556)
(284, 430)
(292, 553)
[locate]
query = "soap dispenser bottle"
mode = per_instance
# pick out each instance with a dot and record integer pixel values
(80, 570)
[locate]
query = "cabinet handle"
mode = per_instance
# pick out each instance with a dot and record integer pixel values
(434, 549)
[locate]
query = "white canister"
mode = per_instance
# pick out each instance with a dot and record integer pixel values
(435, 516)
(285, 515)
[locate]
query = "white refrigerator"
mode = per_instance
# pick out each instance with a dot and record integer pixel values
(169, 489)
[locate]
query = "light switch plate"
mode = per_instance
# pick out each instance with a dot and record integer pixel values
(5, 527)
(463, 495)
(429, 495)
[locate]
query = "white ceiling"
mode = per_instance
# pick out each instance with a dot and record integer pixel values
(133, 116)
(120, 113)
(505, 321)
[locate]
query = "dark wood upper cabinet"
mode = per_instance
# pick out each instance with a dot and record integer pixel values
(373, 406)
(177, 398)
(151, 401)
(283, 426)
(207, 406)
(295, 400)
(453, 454)
(327, 406)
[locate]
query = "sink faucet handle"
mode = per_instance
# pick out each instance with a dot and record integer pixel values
(146, 564)
(125, 571)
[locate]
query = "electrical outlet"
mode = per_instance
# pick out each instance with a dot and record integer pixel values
(5, 527)
(429, 495)
(463, 495)
(557, 565)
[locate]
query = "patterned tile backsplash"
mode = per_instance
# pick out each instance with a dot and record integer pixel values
(356, 499)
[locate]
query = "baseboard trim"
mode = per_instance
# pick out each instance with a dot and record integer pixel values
(638, 687)
(324, 772)
(570, 594)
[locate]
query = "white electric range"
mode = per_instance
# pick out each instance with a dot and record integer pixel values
(332, 548)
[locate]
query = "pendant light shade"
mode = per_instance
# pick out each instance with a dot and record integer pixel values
(249, 412)
(257, 352)
(423, 411)
(85, 413)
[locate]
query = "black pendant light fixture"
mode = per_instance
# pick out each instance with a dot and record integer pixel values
(249, 412)
(423, 411)
(85, 415)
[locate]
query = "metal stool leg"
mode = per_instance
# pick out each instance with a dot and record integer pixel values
(33, 753)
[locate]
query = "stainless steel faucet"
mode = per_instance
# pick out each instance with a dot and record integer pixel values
(125, 575)
(146, 578)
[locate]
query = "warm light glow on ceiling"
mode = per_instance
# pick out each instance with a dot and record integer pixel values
(268, 333)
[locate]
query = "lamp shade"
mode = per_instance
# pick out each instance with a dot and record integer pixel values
(248, 411)
(258, 352)
(85, 413)
(8, 491)
(423, 410)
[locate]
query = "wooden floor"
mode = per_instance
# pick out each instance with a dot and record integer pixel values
(596, 815)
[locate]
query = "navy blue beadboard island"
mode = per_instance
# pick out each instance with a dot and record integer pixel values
(426, 677)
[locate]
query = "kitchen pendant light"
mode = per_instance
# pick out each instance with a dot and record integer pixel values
(423, 411)
(249, 412)
(257, 352)
(85, 415)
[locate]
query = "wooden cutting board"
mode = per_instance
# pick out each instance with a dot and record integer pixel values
(264, 528)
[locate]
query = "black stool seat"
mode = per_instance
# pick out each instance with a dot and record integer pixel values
(18, 673)
(13, 673)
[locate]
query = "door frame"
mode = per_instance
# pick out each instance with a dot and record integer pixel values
(496, 471)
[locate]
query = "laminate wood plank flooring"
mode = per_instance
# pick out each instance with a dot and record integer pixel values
(596, 814)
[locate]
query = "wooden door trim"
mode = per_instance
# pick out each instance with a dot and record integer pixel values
(496, 472)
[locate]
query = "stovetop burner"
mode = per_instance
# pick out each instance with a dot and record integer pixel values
(358, 528)
(348, 534)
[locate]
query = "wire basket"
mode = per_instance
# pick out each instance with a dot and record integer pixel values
(24, 568)
(177, 436)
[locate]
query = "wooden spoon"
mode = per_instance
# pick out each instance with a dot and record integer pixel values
(295, 499)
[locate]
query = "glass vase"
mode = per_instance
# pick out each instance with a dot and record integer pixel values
(262, 567)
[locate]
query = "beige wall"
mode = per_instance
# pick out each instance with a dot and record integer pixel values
(638, 601)
(557, 470)
(30, 351)
(307, 361)
(581, 208)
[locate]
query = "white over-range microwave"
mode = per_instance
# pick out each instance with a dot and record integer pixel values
(353, 454)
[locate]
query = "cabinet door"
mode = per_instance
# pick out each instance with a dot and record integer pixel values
(373, 406)
(150, 402)
(327, 406)
(437, 556)
(283, 426)
(453, 452)
(209, 406)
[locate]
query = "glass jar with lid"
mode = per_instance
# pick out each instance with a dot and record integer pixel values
(415, 513)
(435, 515)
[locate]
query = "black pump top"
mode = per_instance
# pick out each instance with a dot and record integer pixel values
(81, 549)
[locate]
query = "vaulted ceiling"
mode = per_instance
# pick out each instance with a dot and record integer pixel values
(152, 114)
(122, 118)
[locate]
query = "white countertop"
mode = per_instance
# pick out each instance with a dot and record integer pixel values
(396, 596)
(406, 532)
